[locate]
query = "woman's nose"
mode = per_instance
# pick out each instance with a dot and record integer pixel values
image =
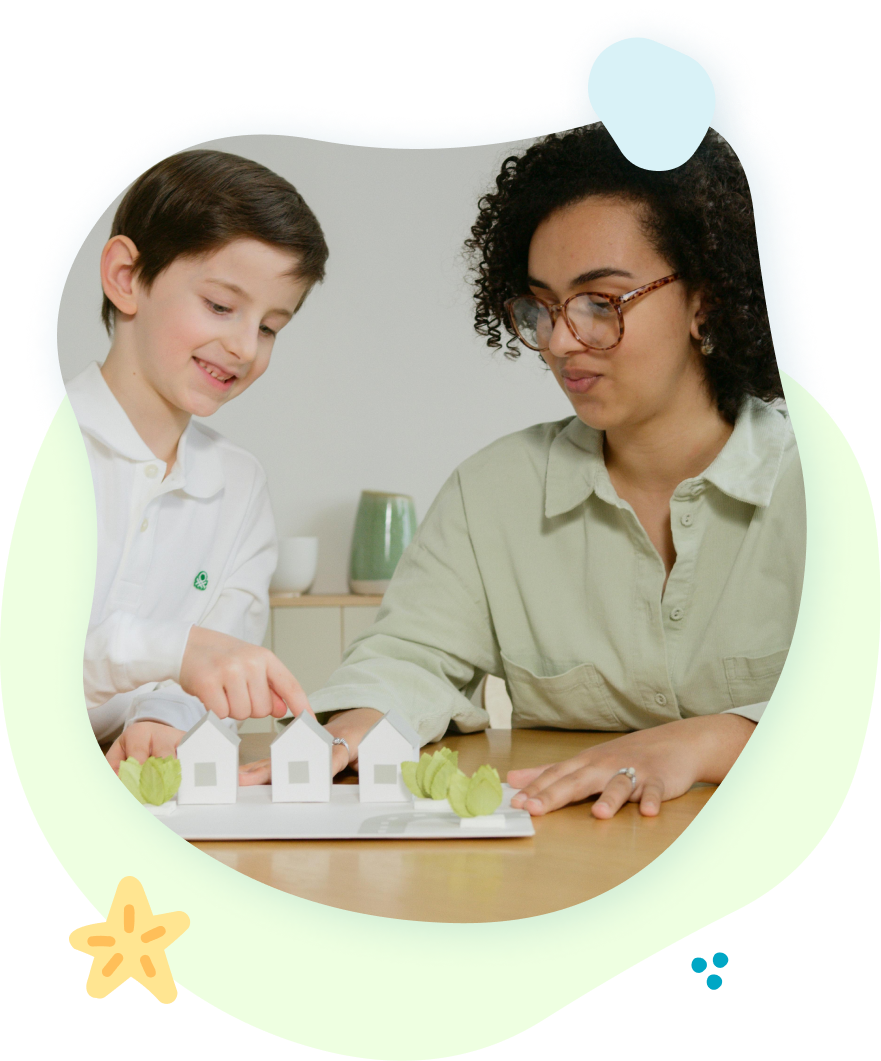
(563, 343)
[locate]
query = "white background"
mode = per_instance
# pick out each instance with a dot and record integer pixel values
(380, 382)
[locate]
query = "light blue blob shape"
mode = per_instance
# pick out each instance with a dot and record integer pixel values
(656, 102)
(714, 982)
(699, 964)
(720, 959)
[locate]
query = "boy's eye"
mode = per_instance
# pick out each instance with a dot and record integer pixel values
(215, 307)
(267, 331)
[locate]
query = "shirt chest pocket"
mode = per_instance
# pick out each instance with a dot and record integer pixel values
(575, 699)
(752, 679)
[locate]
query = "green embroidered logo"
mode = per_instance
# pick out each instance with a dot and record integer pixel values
(201, 580)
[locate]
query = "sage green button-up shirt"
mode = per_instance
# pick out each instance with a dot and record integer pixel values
(530, 567)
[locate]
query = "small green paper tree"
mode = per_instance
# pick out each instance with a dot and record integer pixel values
(438, 777)
(156, 781)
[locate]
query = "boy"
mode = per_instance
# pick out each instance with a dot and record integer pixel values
(210, 255)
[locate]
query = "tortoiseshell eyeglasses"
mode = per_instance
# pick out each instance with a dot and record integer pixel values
(594, 319)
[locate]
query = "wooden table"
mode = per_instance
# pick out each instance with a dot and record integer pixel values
(571, 858)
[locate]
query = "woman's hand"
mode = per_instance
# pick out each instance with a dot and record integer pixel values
(235, 679)
(143, 739)
(667, 761)
(350, 725)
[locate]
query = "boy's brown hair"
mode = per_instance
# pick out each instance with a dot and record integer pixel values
(196, 202)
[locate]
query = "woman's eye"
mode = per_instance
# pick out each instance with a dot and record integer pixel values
(215, 307)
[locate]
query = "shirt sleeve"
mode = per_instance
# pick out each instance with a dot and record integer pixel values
(168, 703)
(751, 711)
(433, 639)
(126, 651)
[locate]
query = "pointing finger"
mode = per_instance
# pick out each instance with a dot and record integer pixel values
(287, 688)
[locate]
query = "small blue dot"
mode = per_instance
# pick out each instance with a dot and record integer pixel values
(714, 982)
(698, 965)
(720, 960)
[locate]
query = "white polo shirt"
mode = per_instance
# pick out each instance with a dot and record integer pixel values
(197, 547)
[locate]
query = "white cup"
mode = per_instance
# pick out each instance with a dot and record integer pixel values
(297, 563)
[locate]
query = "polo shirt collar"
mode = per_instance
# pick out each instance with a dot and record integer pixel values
(746, 468)
(100, 415)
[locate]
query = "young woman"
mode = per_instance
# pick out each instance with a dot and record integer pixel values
(637, 567)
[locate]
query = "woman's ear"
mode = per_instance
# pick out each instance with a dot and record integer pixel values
(117, 273)
(698, 315)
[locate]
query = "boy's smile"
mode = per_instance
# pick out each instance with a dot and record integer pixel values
(201, 334)
(222, 380)
(206, 328)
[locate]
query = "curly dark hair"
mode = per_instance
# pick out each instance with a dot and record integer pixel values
(699, 218)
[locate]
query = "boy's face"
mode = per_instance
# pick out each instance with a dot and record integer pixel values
(205, 329)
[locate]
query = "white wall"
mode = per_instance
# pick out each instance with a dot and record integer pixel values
(380, 382)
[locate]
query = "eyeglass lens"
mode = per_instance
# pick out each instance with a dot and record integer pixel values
(592, 318)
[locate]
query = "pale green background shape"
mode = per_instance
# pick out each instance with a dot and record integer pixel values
(735, 850)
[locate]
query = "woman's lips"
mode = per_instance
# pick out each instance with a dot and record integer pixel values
(579, 384)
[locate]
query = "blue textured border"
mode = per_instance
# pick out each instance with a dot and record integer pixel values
(736, 119)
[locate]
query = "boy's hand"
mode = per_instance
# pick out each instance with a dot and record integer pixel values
(235, 679)
(143, 739)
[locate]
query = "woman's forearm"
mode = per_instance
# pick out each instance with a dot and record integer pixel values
(721, 739)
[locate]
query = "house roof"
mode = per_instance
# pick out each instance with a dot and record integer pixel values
(400, 724)
(303, 722)
(213, 722)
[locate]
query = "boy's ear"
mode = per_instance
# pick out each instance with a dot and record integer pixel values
(117, 275)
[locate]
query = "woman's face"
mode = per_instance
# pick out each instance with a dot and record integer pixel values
(598, 245)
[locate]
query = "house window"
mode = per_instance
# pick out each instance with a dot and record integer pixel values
(385, 774)
(298, 773)
(205, 775)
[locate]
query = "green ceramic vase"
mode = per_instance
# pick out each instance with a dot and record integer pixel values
(384, 527)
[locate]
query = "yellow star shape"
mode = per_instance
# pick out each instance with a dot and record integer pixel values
(131, 943)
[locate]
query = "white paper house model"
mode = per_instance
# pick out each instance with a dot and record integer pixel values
(301, 762)
(209, 763)
(387, 744)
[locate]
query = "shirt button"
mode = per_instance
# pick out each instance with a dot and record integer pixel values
(677, 613)
(145, 525)
(660, 699)
(151, 471)
(686, 520)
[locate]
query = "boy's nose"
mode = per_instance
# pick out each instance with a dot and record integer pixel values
(243, 343)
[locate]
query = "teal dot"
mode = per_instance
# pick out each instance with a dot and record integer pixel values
(714, 982)
(720, 960)
(698, 965)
